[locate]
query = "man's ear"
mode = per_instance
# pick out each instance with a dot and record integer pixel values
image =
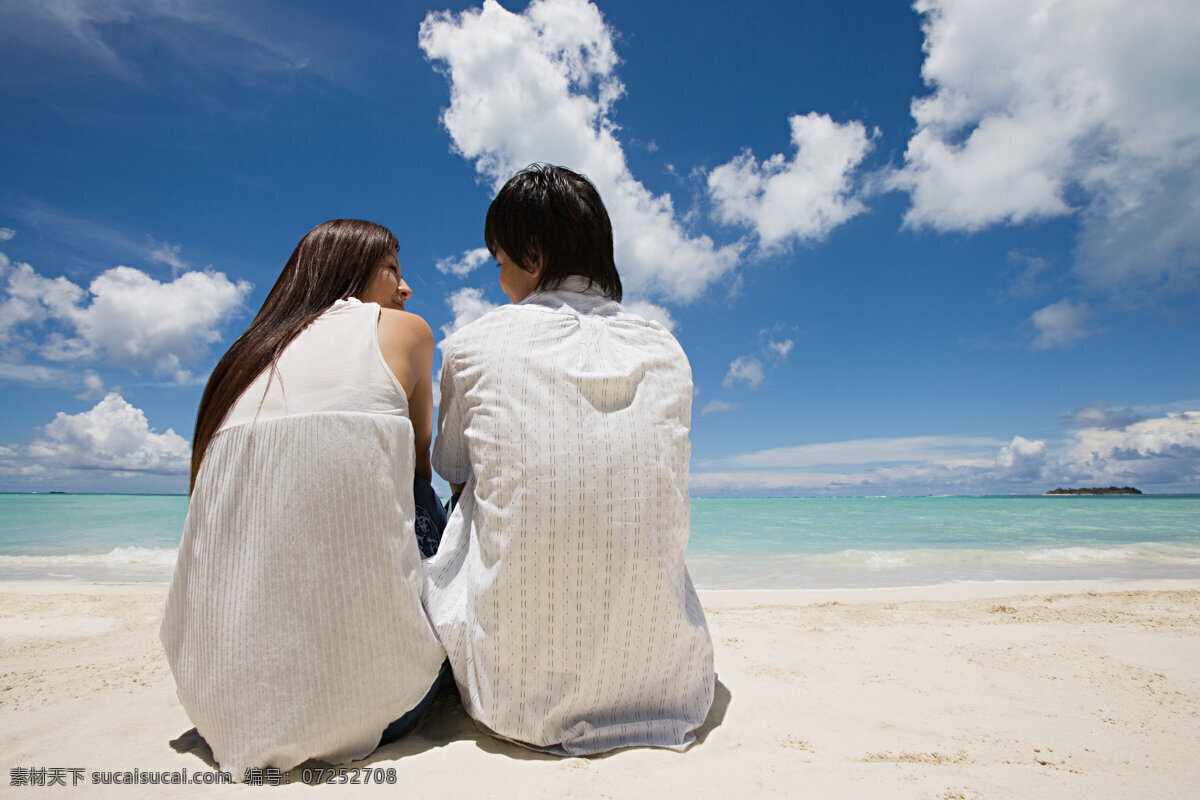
(536, 264)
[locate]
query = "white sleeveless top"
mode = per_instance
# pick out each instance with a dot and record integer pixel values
(294, 625)
(333, 365)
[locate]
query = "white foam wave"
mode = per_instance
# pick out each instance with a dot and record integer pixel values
(864, 568)
(1145, 552)
(118, 564)
(1148, 552)
(118, 556)
(886, 558)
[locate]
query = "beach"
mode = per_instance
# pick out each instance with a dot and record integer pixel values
(1087, 689)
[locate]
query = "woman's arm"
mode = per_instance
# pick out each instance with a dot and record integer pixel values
(407, 346)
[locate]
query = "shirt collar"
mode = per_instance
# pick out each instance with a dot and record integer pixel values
(576, 284)
(575, 291)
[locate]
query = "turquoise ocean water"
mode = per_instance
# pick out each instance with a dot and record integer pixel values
(744, 543)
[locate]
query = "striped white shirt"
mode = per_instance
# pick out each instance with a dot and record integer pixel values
(559, 590)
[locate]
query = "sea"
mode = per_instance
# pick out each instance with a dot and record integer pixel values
(741, 543)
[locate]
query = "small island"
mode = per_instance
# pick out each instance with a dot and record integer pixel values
(1098, 490)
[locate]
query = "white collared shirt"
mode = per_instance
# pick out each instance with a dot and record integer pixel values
(559, 590)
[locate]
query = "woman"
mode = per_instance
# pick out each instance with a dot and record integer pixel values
(294, 625)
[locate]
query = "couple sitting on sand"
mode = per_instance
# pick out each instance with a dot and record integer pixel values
(303, 624)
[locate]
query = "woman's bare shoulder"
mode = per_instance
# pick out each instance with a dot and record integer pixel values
(404, 325)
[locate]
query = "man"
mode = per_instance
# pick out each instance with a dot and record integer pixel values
(559, 590)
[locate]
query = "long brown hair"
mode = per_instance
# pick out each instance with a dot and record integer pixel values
(332, 262)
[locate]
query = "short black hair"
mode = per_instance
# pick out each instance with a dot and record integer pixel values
(554, 215)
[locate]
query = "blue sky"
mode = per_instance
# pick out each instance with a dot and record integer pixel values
(953, 248)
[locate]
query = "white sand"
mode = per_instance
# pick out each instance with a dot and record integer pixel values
(1019, 690)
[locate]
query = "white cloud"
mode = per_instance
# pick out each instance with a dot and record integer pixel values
(1175, 435)
(102, 243)
(1042, 108)
(114, 37)
(163, 253)
(956, 449)
(752, 482)
(31, 299)
(466, 263)
(6, 234)
(717, 407)
(1162, 451)
(125, 316)
(803, 199)
(1061, 324)
(540, 86)
(1161, 454)
(36, 374)
(93, 386)
(650, 311)
(1022, 458)
(1101, 415)
(114, 436)
(750, 369)
(746, 369)
(467, 305)
(1030, 282)
(781, 349)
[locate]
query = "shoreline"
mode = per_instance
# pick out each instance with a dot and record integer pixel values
(943, 592)
(1076, 689)
(969, 588)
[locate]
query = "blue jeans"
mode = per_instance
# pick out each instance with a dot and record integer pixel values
(431, 517)
(429, 524)
(406, 723)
